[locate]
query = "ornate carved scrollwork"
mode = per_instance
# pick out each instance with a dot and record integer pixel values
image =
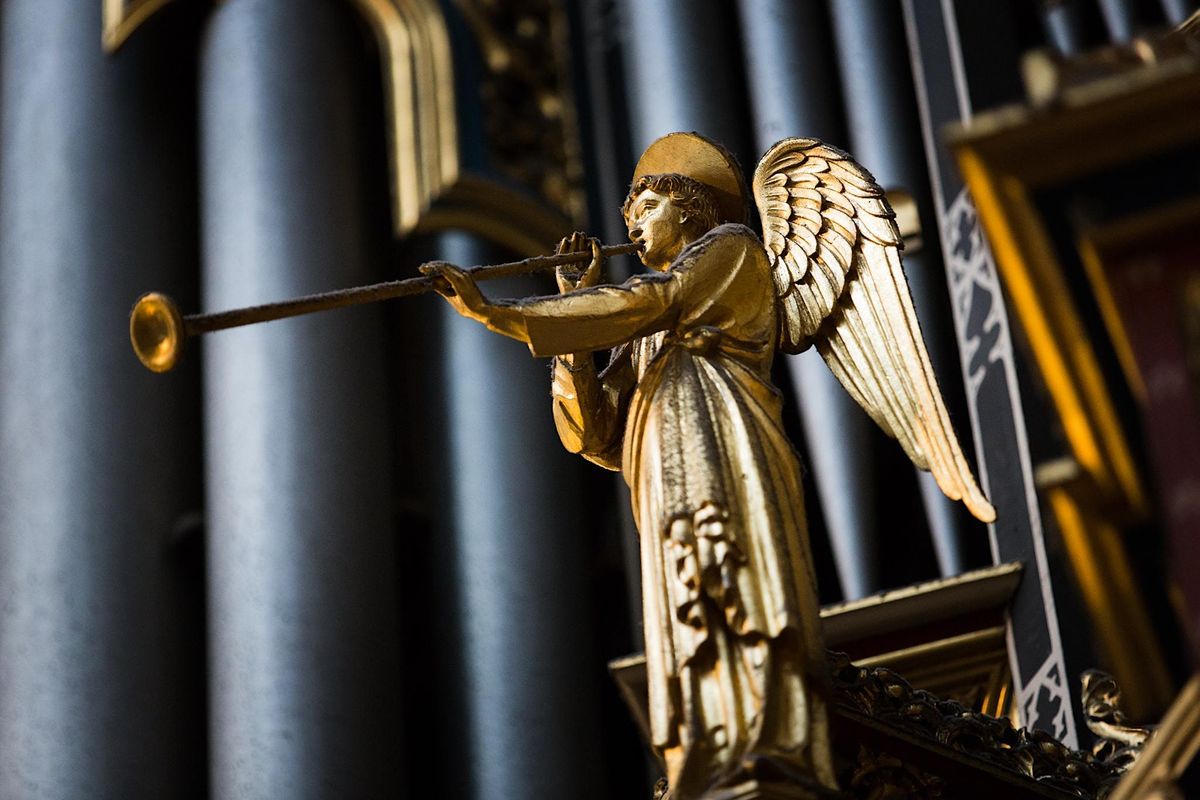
(888, 698)
(532, 136)
(1119, 742)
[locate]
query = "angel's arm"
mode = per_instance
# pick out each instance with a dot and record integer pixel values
(589, 407)
(582, 321)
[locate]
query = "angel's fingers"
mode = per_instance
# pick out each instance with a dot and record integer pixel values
(592, 274)
(434, 268)
(443, 286)
(445, 277)
(568, 244)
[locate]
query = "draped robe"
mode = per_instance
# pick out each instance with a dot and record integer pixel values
(687, 412)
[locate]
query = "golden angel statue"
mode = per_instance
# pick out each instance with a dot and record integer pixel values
(685, 409)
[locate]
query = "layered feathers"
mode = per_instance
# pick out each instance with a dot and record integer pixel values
(834, 249)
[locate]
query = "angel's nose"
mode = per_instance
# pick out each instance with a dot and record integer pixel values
(635, 233)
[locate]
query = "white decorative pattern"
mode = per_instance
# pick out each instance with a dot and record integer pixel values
(985, 343)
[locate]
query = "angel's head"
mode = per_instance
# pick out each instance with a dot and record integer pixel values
(665, 213)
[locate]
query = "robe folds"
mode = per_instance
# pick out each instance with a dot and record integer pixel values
(685, 409)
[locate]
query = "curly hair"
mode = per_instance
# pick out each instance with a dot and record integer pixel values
(690, 196)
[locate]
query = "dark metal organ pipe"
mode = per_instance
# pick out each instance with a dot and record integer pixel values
(885, 137)
(99, 654)
(789, 63)
(302, 574)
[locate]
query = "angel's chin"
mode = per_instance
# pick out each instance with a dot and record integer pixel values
(653, 261)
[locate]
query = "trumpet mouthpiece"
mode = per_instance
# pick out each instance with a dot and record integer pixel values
(156, 331)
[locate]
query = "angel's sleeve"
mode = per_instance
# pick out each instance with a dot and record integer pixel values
(589, 407)
(592, 319)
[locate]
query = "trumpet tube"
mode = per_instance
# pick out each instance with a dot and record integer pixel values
(158, 331)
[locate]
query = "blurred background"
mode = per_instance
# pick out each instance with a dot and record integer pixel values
(344, 555)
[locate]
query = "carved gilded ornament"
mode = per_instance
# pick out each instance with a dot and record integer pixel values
(888, 699)
(532, 134)
(1119, 741)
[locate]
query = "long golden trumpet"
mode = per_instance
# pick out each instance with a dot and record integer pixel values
(158, 331)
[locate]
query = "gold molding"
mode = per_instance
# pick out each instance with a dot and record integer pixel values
(526, 97)
(946, 635)
(1067, 364)
(971, 668)
(122, 17)
(414, 48)
(498, 214)
(1119, 619)
(419, 75)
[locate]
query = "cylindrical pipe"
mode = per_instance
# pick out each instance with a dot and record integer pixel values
(1063, 22)
(1177, 11)
(511, 502)
(885, 137)
(682, 68)
(98, 462)
(788, 59)
(301, 561)
(1120, 17)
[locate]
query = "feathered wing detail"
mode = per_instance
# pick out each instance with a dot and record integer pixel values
(834, 248)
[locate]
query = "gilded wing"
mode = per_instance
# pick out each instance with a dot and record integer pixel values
(835, 254)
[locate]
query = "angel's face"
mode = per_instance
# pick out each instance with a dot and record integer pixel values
(659, 226)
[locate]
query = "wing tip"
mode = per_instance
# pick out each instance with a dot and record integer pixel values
(980, 508)
(963, 487)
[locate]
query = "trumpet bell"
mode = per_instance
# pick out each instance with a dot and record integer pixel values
(156, 331)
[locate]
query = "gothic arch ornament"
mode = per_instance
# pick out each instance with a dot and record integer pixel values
(419, 75)
(429, 190)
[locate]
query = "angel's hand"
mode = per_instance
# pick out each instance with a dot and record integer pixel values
(459, 289)
(569, 279)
